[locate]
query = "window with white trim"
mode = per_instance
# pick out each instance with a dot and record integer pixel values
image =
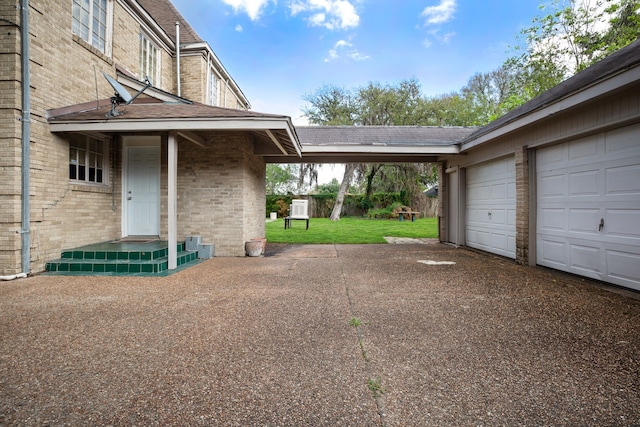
(87, 160)
(148, 59)
(90, 22)
(213, 88)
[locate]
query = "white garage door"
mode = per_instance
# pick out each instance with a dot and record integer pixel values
(588, 210)
(490, 222)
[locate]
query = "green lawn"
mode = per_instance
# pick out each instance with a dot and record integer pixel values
(352, 230)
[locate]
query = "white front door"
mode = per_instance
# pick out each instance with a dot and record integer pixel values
(588, 211)
(142, 195)
(491, 207)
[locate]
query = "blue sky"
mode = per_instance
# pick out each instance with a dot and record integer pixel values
(278, 51)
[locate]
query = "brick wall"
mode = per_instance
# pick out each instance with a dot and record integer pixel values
(522, 205)
(10, 141)
(221, 192)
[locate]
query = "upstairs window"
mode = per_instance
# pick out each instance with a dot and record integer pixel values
(148, 60)
(87, 160)
(89, 22)
(213, 88)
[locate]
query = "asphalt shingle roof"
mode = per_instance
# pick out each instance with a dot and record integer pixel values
(382, 135)
(166, 15)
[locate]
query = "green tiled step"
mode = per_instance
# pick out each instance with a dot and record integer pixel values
(120, 258)
(118, 266)
(122, 252)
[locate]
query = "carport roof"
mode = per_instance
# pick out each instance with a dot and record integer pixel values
(380, 144)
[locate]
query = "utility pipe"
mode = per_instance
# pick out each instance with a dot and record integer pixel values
(26, 136)
(178, 54)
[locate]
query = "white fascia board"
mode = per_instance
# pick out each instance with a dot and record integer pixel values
(570, 101)
(218, 64)
(395, 149)
(168, 124)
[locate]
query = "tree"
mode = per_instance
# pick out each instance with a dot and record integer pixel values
(572, 36)
(307, 170)
(280, 178)
(330, 106)
(346, 181)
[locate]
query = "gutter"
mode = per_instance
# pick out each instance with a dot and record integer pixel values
(26, 137)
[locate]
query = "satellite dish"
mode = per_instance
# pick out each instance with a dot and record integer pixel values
(122, 96)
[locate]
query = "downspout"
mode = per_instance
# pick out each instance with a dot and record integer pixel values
(26, 136)
(178, 54)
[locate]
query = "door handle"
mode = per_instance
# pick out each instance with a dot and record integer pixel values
(129, 198)
(601, 226)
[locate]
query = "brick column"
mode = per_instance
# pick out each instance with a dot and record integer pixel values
(522, 205)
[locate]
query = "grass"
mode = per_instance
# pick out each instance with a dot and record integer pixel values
(350, 230)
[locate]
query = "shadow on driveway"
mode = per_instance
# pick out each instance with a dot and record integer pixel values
(358, 335)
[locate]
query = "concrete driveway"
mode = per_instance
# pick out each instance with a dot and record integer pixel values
(348, 335)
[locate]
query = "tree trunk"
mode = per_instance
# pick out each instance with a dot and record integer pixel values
(349, 169)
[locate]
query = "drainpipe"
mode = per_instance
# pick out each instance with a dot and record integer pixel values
(26, 136)
(178, 54)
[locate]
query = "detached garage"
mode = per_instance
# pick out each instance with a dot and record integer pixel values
(556, 182)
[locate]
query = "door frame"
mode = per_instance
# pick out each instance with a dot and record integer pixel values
(138, 141)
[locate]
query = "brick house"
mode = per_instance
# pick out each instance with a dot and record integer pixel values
(180, 160)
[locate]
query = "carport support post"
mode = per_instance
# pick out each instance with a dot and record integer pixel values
(172, 160)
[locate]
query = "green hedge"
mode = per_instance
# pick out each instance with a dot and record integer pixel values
(354, 204)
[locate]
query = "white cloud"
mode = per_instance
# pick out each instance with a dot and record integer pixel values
(345, 50)
(331, 14)
(439, 14)
(253, 8)
(239, 28)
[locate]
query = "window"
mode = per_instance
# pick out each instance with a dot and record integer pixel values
(148, 59)
(213, 88)
(87, 160)
(89, 22)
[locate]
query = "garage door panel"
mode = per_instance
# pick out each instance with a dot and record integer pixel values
(624, 267)
(499, 192)
(552, 186)
(623, 180)
(585, 150)
(584, 183)
(623, 223)
(499, 217)
(553, 253)
(551, 219)
(585, 221)
(579, 184)
(585, 259)
(484, 193)
(551, 157)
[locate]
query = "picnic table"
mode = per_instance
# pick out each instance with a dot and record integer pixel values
(411, 214)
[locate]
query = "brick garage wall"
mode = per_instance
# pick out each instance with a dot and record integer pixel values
(522, 205)
(221, 192)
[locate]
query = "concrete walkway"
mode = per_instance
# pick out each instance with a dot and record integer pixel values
(351, 335)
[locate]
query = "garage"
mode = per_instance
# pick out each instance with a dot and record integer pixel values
(588, 206)
(490, 223)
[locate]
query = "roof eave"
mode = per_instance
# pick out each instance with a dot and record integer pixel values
(592, 92)
(337, 149)
(183, 124)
